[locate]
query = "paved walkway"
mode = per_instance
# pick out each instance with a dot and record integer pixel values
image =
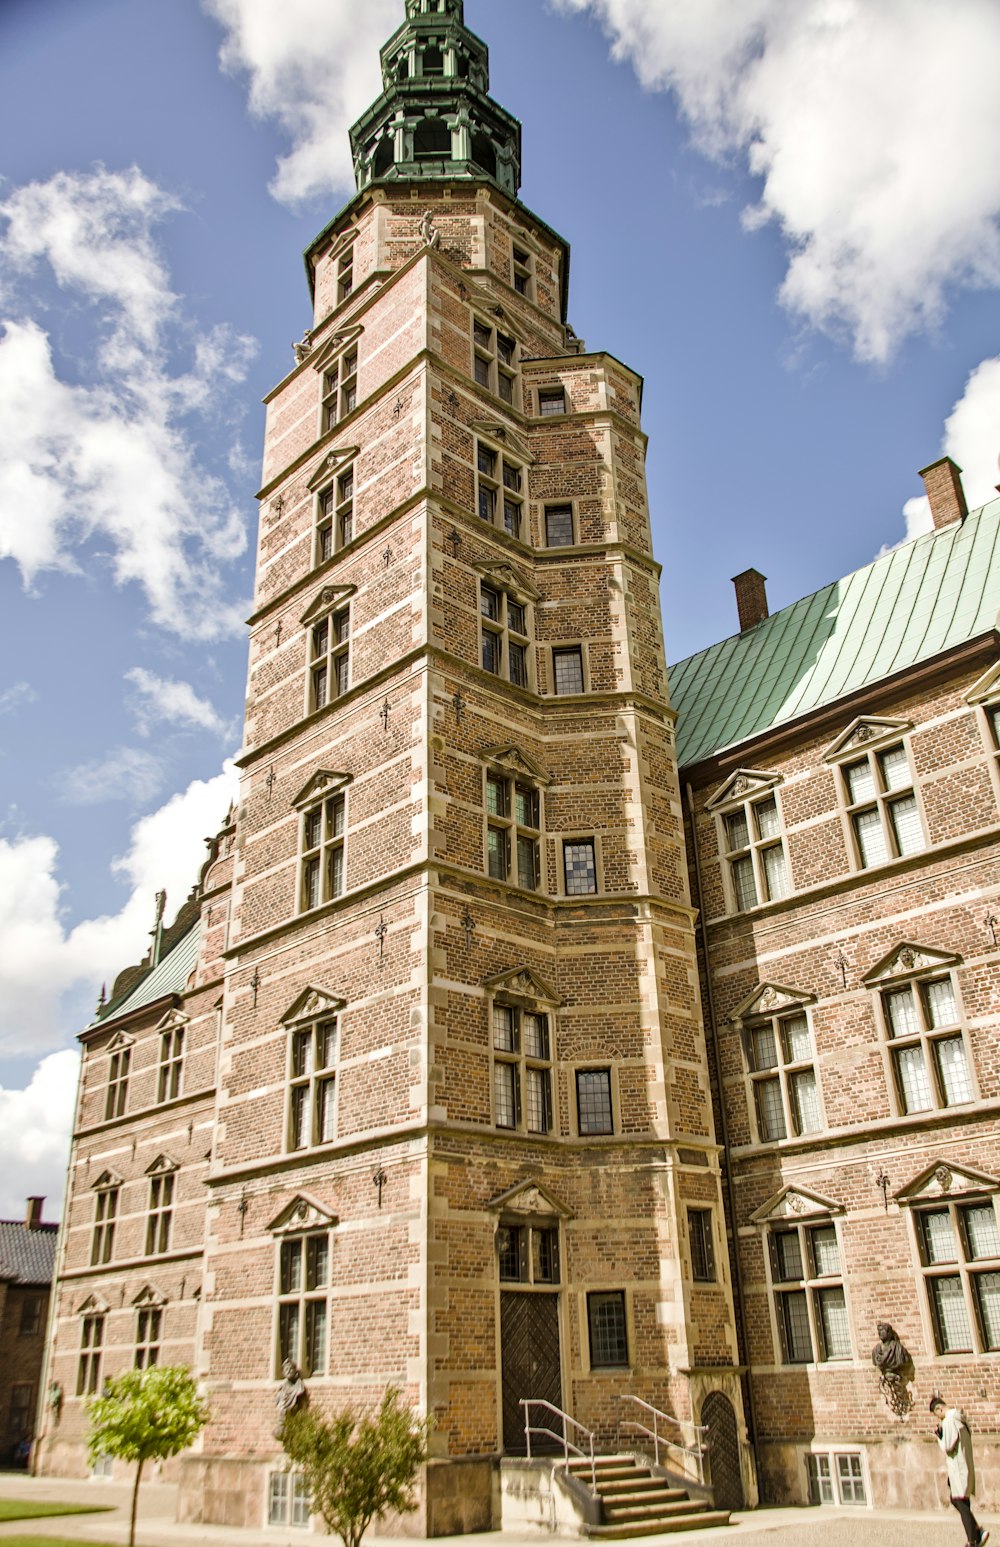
(765, 1527)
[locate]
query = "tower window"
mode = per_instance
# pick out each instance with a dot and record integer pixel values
(432, 141)
(551, 401)
(340, 389)
(504, 635)
(567, 670)
(345, 274)
(329, 648)
(312, 1085)
(594, 1112)
(105, 1218)
(432, 62)
(558, 526)
(484, 153)
(606, 1323)
(303, 1287)
(494, 359)
(117, 1091)
(168, 1086)
(335, 516)
(522, 1069)
(522, 269)
(499, 489)
(323, 833)
(161, 1213)
(580, 866)
(700, 1241)
(513, 831)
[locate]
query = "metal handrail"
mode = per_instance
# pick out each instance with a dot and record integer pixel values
(697, 1450)
(567, 1444)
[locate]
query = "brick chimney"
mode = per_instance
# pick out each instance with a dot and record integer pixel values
(943, 482)
(33, 1216)
(751, 598)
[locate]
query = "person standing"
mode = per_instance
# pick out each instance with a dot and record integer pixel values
(955, 1439)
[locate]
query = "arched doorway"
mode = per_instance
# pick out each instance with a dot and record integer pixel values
(724, 1475)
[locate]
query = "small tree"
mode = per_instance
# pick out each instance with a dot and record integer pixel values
(356, 1467)
(145, 1415)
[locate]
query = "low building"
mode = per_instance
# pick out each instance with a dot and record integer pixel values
(27, 1257)
(840, 762)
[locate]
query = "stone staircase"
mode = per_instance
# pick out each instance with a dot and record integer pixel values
(634, 1502)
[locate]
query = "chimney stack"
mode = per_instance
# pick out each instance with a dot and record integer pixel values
(943, 482)
(751, 598)
(33, 1217)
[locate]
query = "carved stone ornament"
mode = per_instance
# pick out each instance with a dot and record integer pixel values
(291, 1394)
(795, 1204)
(944, 1178)
(429, 233)
(907, 958)
(864, 733)
(768, 1000)
(740, 785)
(895, 1370)
(303, 349)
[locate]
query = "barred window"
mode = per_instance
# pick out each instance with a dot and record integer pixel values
(927, 1048)
(303, 1310)
(168, 1085)
(881, 805)
(312, 1084)
(119, 1062)
(88, 1371)
(323, 836)
(161, 1213)
(754, 853)
(595, 1114)
(959, 1246)
(513, 831)
(105, 1218)
(522, 1069)
(809, 1300)
(783, 1076)
(329, 654)
(608, 1333)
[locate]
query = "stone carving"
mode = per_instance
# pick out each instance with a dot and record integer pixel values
(290, 1394)
(303, 349)
(943, 1177)
(430, 235)
(907, 957)
(895, 1369)
(795, 1204)
(741, 785)
(864, 733)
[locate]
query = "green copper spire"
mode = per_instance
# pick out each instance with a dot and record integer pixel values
(435, 119)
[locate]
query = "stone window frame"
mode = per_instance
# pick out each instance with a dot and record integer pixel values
(501, 483)
(984, 700)
(526, 1068)
(107, 1197)
(911, 968)
(956, 1192)
(506, 628)
(119, 1052)
(344, 260)
(21, 1411)
(811, 1283)
(93, 1316)
(320, 877)
(149, 1316)
(560, 507)
(303, 1234)
(834, 1482)
(522, 269)
(334, 523)
(567, 840)
(312, 1085)
(161, 1206)
(701, 1243)
(742, 799)
(870, 741)
(552, 402)
(532, 1244)
(603, 1067)
(578, 650)
(506, 835)
(495, 361)
(30, 1323)
(592, 1299)
(339, 386)
(772, 1007)
(328, 625)
(170, 1065)
(288, 1502)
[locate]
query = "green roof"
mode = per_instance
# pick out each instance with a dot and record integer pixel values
(908, 606)
(169, 976)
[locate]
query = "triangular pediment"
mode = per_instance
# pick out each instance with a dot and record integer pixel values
(94, 1305)
(505, 577)
(793, 1203)
(529, 1198)
(865, 733)
(946, 1180)
(312, 1004)
(744, 784)
(149, 1296)
(522, 983)
(325, 781)
(330, 465)
(514, 761)
(119, 1040)
(174, 1020)
(906, 960)
(106, 1180)
(503, 436)
(771, 999)
(334, 346)
(161, 1165)
(303, 1213)
(327, 599)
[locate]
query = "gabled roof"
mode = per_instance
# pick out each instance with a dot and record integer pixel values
(27, 1256)
(906, 607)
(169, 976)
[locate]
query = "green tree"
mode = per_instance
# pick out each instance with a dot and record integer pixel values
(356, 1467)
(146, 1415)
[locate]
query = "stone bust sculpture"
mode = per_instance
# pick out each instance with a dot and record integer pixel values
(290, 1394)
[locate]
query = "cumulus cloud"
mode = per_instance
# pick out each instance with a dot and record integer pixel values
(17, 694)
(108, 461)
(126, 773)
(162, 698)
(314, 68)
(35, 1126)
(42, 959)
(858, 120)
(972, 440)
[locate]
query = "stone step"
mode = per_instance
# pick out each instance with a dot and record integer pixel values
(649, 1493)
(615, 1474)
(617, 1513)
(621, 1530)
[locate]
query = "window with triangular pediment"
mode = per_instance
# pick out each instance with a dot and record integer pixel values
(955, 1215)
(784, 1093)
(877, 792)
(750, 830)
(920, 1013)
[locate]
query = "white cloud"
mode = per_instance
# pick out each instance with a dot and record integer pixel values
(41, 959)
(17, 694)
(972, 440)
(35, 1126)
(127, 773)
(313, 66)
(875, 131)
(162, 698)
(107, 460)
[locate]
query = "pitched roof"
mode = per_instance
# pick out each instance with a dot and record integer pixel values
(908, 606)
(169, 976)
(27, 1256)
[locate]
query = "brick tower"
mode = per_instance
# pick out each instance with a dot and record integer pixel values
(462, 1138)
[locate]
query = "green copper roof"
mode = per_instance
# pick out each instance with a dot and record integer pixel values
(921, 599)
(169, 976)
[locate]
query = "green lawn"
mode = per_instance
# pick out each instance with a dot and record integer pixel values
(28, 1509)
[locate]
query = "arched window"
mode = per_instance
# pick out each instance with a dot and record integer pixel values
(432, 140)
(484, 154)
(384, 157)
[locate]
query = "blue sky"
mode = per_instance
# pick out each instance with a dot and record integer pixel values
(784, 215)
